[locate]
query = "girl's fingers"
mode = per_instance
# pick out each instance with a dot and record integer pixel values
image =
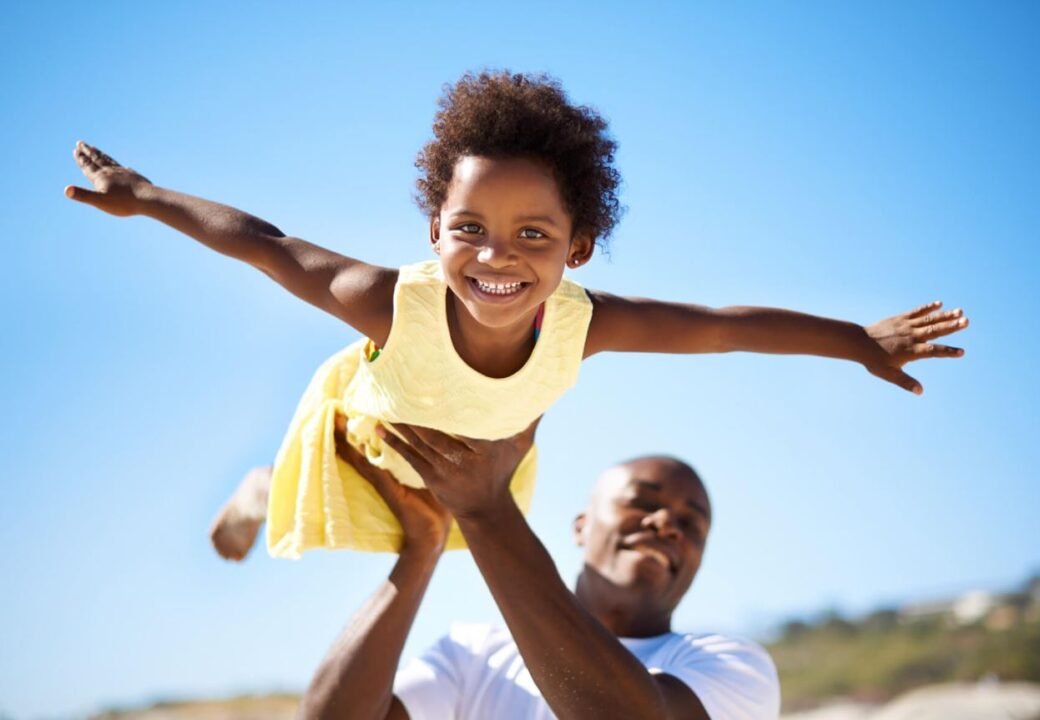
(82, 195)
(936, 317)
(897, 377)
(906, 382)
(105, 160)
(925, 309)
(923, 350)
(84, 160)
(940, 328)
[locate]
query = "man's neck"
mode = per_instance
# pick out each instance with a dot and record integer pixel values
(623, 612)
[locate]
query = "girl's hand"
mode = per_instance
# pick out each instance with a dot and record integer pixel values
(469, 477)
(116, 189)
(424, 521)
(907, 337)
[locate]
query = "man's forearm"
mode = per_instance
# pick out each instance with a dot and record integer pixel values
(355, 680)
(579, 666)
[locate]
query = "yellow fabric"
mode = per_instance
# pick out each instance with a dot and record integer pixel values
(318, 501)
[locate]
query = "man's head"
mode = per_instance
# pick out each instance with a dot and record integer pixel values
(644, 532)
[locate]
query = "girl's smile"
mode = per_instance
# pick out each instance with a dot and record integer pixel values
(498, 291)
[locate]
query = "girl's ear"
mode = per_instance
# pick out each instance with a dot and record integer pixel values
(580, 251)
(579, 530)
(435, 233)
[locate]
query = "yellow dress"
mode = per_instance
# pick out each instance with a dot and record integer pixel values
(319, 501)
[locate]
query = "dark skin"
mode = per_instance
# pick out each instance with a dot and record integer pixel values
(643, 534)
(504, 238)
(355, 679)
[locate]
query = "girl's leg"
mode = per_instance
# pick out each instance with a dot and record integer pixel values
(235, 528)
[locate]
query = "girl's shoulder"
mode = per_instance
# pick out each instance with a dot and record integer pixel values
(427, 272)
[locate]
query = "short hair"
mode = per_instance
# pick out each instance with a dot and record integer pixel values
(503, 115)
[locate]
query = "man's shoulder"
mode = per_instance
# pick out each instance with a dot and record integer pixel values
(708, 649)
(710, 643)
(729, 674)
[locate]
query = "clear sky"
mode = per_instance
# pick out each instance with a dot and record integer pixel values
(847, 160)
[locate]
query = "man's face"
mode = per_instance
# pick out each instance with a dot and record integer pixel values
(504, 238)
(646, 528)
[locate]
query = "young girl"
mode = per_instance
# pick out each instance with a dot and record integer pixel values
(518, 184)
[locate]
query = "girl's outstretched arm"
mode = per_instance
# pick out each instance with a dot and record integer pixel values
(637, 325)
(359, 294)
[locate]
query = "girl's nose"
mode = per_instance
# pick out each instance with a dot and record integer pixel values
(497, 252)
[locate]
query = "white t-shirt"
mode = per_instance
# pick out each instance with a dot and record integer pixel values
(476, 672)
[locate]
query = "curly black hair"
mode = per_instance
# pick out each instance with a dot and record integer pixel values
(503, 114)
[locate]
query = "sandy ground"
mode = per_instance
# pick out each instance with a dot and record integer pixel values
(981, 701)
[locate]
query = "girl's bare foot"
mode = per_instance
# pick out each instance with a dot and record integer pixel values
(236, 525)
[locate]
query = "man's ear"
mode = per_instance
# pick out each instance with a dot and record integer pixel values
(579, 530)
(435, 233)
(580, 251)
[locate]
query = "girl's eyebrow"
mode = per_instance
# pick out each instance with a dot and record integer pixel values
(540, 219)
(464, 211)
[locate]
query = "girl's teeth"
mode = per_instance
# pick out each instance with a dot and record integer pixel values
(499, 289)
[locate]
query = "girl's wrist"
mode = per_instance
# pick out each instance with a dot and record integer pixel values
(145, 197)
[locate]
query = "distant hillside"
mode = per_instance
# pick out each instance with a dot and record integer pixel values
(889, 652)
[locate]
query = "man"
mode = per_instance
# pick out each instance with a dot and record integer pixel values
(605, 650)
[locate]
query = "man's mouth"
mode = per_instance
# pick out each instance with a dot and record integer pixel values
(664, 558)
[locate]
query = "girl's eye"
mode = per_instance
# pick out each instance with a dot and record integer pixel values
(470, 228)
(531, 234)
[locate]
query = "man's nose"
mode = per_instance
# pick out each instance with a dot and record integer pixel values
(497, 252)
(664, 521)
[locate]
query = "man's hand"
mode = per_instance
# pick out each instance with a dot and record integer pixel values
(424, 521)
(469, 477)
(116, 189)
(907, 337)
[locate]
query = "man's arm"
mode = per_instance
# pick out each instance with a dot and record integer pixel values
(358, 293)
(579, 666)
(355, 679)
(621, 324)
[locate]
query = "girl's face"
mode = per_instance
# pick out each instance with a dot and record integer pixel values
(504, 238)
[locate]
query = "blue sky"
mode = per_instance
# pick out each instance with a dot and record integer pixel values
(847, 161)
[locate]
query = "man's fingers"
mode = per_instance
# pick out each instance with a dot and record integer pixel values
(82, 195)
(925, 309)
(407, 451)
(407, 432)
(440, 443)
